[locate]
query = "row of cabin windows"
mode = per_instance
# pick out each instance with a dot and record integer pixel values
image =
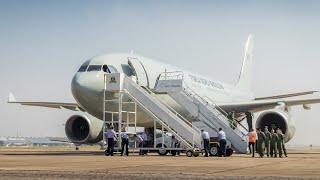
(105, 68)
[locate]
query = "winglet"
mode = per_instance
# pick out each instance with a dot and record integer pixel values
(11, 98)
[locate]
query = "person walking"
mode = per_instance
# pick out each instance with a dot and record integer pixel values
(267, 140)
(111, 135)
(273, 144)
(261, 137)
(206, 138)
(222, 142)
(252, 141)
(124, 142)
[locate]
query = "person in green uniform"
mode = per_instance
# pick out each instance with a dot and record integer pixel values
(267, 141)
(279, 142)
(262, 138)
(283, 144)
(273, 143)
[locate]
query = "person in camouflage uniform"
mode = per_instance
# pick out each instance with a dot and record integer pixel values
(283, 144)
(280, 142)
(267, 140)
(262, 138)
(273, 143)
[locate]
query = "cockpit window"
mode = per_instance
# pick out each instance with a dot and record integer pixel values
(112, 69)
(83, 68)
(94, 68)
(109, 69)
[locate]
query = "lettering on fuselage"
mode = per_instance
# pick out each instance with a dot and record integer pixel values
(206, 82)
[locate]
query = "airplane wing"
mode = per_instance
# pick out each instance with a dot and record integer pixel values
(58, 105)
(286, 95)
(260, 105)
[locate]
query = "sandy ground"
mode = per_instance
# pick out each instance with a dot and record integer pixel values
(90, 163)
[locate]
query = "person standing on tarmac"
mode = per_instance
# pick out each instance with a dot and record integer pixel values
(222, 142)
(206, 138)
(252, 141)
(175, 143)
(267, 140)
(279, 142)
(111, 134)
(283, 144)
(273, 144)
(124, 142)
(139, 141)
(261, 137)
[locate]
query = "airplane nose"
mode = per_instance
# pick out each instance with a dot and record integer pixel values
(77, 85)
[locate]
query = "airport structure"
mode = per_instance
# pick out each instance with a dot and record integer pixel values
(31, 141)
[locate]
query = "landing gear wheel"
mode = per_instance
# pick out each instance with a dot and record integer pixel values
(189, 153)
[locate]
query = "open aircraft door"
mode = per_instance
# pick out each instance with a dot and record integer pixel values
(139, 71)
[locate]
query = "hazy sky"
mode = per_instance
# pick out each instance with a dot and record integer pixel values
(43, 43)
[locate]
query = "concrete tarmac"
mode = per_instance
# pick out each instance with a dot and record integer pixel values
(90, 163)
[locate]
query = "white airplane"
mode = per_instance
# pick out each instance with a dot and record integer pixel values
(87, 89)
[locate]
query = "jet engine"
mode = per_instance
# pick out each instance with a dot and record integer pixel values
(84, 129)
(277, 118)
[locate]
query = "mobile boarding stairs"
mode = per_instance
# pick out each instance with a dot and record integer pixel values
(188, 133)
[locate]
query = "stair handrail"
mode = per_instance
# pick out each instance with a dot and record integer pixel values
(163, 106)
(174, 111)
(214, 106)
(183, 120)
(159, 120)
(194, 94)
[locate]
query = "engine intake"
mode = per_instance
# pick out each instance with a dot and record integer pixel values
(277, 118)
(81, 129)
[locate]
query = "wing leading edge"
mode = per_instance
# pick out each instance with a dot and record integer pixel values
(58, 105)
(260, 105)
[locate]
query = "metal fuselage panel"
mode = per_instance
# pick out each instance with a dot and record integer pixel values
(87, 87)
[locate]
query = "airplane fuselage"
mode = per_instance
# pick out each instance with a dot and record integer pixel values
(87, 84)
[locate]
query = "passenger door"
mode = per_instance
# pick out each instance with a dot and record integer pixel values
(139, 71)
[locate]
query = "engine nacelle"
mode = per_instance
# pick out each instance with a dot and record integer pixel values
(84, 129)
(277, 118)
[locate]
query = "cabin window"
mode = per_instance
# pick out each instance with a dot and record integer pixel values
(83, 69)
(94, 68)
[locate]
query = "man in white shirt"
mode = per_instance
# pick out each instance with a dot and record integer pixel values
(206, 139)
(145, 140)
(111, 134)
(175, 143)
(124, 142)
(139, 141)
(222, 142)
